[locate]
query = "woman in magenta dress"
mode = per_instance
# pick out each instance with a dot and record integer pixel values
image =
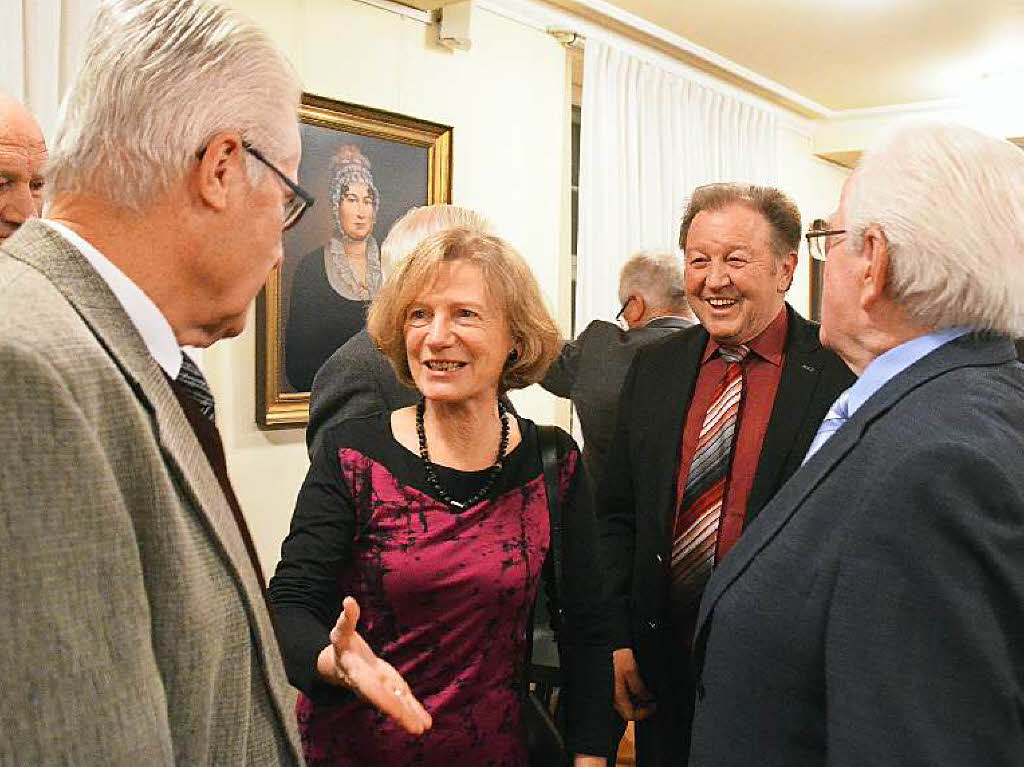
(427, 528)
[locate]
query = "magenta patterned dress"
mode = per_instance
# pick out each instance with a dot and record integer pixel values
(445, 596)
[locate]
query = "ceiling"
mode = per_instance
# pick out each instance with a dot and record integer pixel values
(846, 54)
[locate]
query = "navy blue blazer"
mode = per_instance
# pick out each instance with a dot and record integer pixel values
(873, 613)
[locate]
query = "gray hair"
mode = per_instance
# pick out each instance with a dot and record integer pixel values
(418, 223)
(159, 79)
(658, 277)
(950, 201)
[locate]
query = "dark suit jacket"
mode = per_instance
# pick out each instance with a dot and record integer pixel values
(873, 614)
(590, 372)
(636, 501)
(356, 380)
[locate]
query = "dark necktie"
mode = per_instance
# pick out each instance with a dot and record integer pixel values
(696, 527)
(192, 380)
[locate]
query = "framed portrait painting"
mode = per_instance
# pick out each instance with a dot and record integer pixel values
(365, 168)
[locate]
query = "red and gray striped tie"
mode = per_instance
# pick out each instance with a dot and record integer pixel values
(696, 528)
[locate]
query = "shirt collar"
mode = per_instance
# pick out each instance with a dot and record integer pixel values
(769, 344)
(887, 366)
(147, 318)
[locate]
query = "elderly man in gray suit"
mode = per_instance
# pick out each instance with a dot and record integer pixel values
(872, 613)
(133, 628)
(357, 379)
(590, 370)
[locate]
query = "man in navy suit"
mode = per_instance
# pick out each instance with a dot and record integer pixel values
(873, 613)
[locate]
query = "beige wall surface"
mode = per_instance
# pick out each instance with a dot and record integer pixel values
(507, 101)
(814, 185)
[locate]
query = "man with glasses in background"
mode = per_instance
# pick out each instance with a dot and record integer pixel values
(591, 369)
(133, 627)
(711, 423)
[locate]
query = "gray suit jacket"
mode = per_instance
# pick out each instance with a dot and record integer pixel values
(590, 372)
(356, 380)
(132, 627)
(873, 612)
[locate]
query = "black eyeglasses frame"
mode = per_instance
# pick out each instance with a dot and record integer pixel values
(297, 205)
(815, 234)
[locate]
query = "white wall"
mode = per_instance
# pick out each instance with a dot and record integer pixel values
(508, 102)
(814, 184)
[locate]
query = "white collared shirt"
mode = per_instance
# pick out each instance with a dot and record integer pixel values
(152, 325)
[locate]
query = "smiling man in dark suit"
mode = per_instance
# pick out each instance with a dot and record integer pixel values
(711, 423)
(872, 615)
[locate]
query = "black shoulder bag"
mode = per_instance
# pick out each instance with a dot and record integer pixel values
(541, 686)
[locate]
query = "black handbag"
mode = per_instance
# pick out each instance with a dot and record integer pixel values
(541, 687)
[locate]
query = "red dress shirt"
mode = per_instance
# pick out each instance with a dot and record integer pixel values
(762, 370)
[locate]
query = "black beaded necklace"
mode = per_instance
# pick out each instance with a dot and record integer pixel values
(428, 466)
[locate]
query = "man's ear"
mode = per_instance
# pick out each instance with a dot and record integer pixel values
(875, 254)
(218, 169)
(787, 267)
(635, 309)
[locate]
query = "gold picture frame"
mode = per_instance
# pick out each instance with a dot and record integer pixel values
(411, 163)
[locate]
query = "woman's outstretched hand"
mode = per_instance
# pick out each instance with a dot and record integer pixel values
(350, 662)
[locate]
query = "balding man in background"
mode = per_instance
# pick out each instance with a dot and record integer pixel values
(22, 157)
(591, 369)
(133, 628)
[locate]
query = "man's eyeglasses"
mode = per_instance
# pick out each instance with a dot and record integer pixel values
(820, 239)
(298, 204)
(623, 309)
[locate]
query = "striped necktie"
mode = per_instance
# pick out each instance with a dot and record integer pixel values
(837, 415)
(192, 380)
(696, 527)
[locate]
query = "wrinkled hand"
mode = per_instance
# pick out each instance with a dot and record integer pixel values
(350, 662)
(632, 700)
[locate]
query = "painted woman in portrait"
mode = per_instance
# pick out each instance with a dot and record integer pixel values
(334, 284)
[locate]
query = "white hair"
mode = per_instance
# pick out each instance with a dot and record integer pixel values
(950, 201)
(657, 276)
(159, 79)
(418, 223)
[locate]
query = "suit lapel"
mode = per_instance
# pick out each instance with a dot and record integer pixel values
(965, 351)
(663, 413)
(801, 373)
(45, 250)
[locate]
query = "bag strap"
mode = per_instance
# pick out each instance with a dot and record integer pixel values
(551, 571)
(547, 438)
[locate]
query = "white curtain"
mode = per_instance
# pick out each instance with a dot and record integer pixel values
(648, 136)
(41, 43)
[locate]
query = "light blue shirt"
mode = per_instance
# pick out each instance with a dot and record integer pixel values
(884, 368)
(879, 371)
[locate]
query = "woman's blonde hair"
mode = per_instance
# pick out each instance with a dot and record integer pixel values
(509, 281)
